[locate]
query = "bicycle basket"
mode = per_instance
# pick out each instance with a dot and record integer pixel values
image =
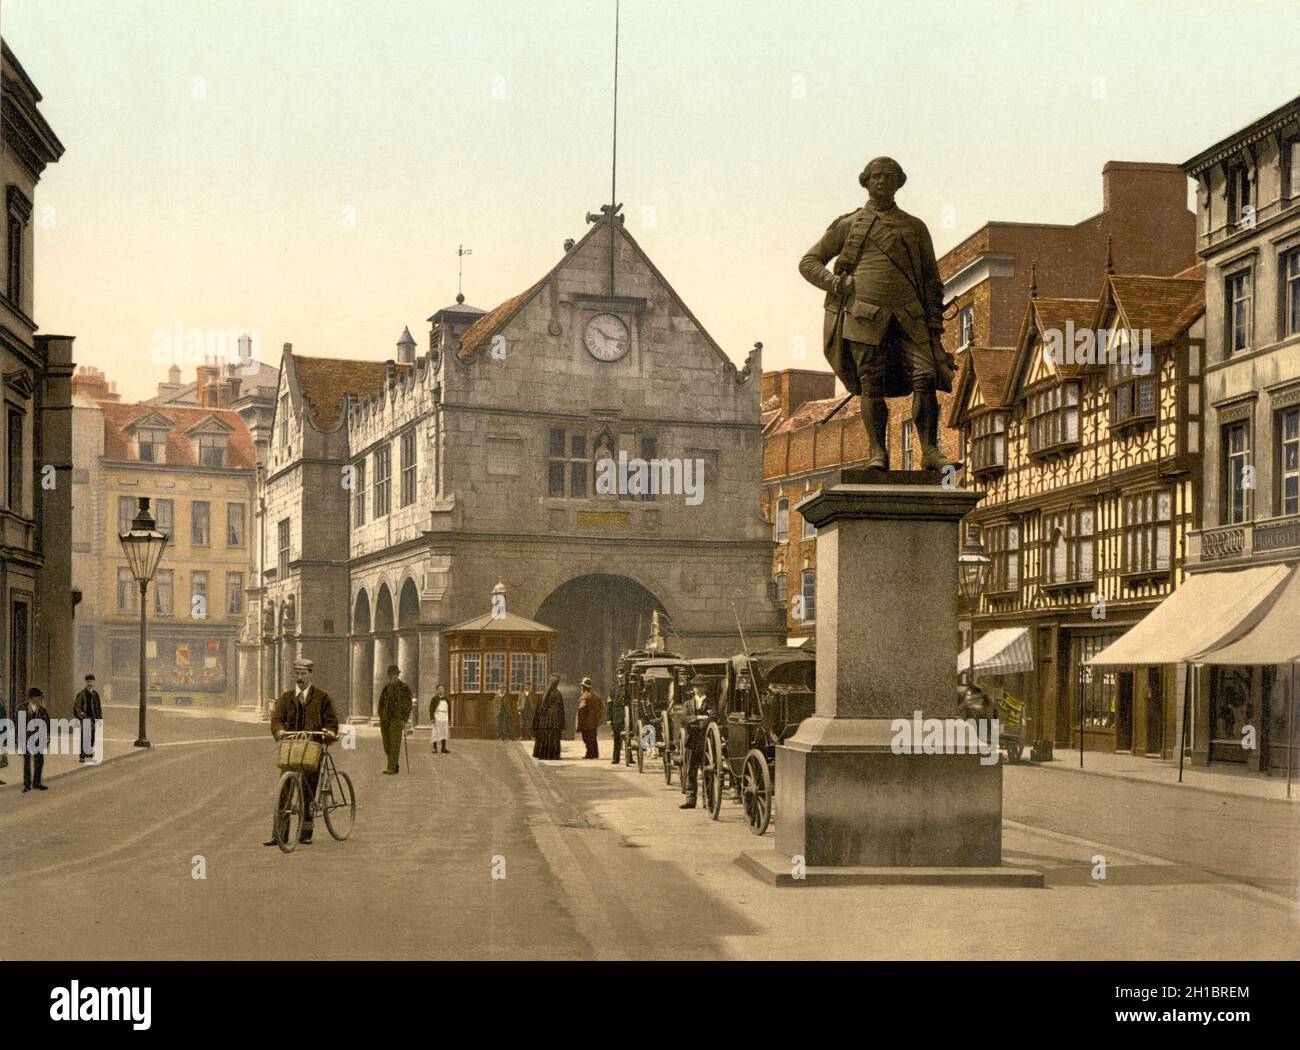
(299, 754)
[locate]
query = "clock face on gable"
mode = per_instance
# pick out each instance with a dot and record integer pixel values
(606, 337)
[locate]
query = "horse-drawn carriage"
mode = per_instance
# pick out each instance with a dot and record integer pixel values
(647, 683)
(765, 697)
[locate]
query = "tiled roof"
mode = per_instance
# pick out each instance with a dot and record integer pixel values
(486, 326)
(815, 413)
(992, 366)
(180, 449)
(325, 380)
(1057, 314)
(1165, 305)
(508, 622)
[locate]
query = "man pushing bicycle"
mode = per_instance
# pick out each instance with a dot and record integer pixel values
(304, 708)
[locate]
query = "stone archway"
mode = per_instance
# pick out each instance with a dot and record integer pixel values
(408, 641)
(385, 643)
(598, 617)
(362, 654)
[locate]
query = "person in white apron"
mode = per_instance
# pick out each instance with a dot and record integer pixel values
(440, 716)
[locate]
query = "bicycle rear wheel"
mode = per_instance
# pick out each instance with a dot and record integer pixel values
(288, 811)
(339, 802)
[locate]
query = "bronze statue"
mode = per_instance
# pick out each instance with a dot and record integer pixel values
(884, 312)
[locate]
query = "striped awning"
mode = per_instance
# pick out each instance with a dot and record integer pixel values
(1005, 650)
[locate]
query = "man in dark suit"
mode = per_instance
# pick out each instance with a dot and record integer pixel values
(36, 738)
(884, 312)
(394, 710)
(304, 709)
(87, 709)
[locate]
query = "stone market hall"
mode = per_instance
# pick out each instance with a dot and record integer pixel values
(396, 495)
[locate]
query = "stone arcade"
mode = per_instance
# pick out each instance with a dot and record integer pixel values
(397, 494)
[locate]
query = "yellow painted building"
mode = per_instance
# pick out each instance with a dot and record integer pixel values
(198, 468)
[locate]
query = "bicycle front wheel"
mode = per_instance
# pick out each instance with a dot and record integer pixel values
(288, 811)
(339, 802)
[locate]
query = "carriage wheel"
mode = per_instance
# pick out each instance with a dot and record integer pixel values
(667, 752)
(756, 792)
(713, 770)
(640, 750)
(1014, 750)
(288, 811)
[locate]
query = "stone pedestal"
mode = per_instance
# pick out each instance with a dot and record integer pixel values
(846, 802)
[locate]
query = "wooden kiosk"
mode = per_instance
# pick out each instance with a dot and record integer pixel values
(488, 651)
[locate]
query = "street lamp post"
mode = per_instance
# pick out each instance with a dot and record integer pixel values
(143, 546)
(972, 569)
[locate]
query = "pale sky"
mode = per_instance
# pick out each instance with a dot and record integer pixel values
(307, 169)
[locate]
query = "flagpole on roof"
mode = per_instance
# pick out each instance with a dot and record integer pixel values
(613, 173)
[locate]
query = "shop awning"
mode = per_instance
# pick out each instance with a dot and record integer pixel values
(1206, 611)
(1002, 651)
(1275, 639)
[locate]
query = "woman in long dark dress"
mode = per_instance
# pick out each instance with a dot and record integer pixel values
(548, 722)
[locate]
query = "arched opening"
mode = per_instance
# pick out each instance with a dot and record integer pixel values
(361, 614)
(598, 617)
(408, 641)
(362, 655)
(385, 643)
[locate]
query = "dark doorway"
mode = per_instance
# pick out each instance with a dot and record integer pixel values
(1124, 712)
(598, 617)
(1155, 710)
(19, 647)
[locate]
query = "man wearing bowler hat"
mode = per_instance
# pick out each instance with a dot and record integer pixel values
(36, 731)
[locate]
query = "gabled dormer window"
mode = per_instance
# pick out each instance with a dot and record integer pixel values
(210, 440)
(1053, 413)
(988, 442)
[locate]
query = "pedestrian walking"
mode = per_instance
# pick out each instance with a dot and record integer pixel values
(526, 707)
(501, 705)
(548, 722)
(88, 710)
(617, 716)
(590, 708)
(394, 710)
(440, 717)
(36, 739)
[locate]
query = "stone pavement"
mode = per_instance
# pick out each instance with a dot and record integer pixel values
(1146, 907)
(1220, 778)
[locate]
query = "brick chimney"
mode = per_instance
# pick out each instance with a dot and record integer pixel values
(795, 387)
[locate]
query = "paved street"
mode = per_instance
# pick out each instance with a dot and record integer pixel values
(599, 863)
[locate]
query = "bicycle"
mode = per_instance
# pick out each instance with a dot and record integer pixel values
(297, 755)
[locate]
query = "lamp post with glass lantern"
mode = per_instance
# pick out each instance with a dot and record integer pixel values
(972, 570)
(143, 546)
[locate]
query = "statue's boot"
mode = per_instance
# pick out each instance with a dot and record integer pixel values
(925, 420)
(875, 418)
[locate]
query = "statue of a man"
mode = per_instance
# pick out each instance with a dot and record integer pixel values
(884, 312)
